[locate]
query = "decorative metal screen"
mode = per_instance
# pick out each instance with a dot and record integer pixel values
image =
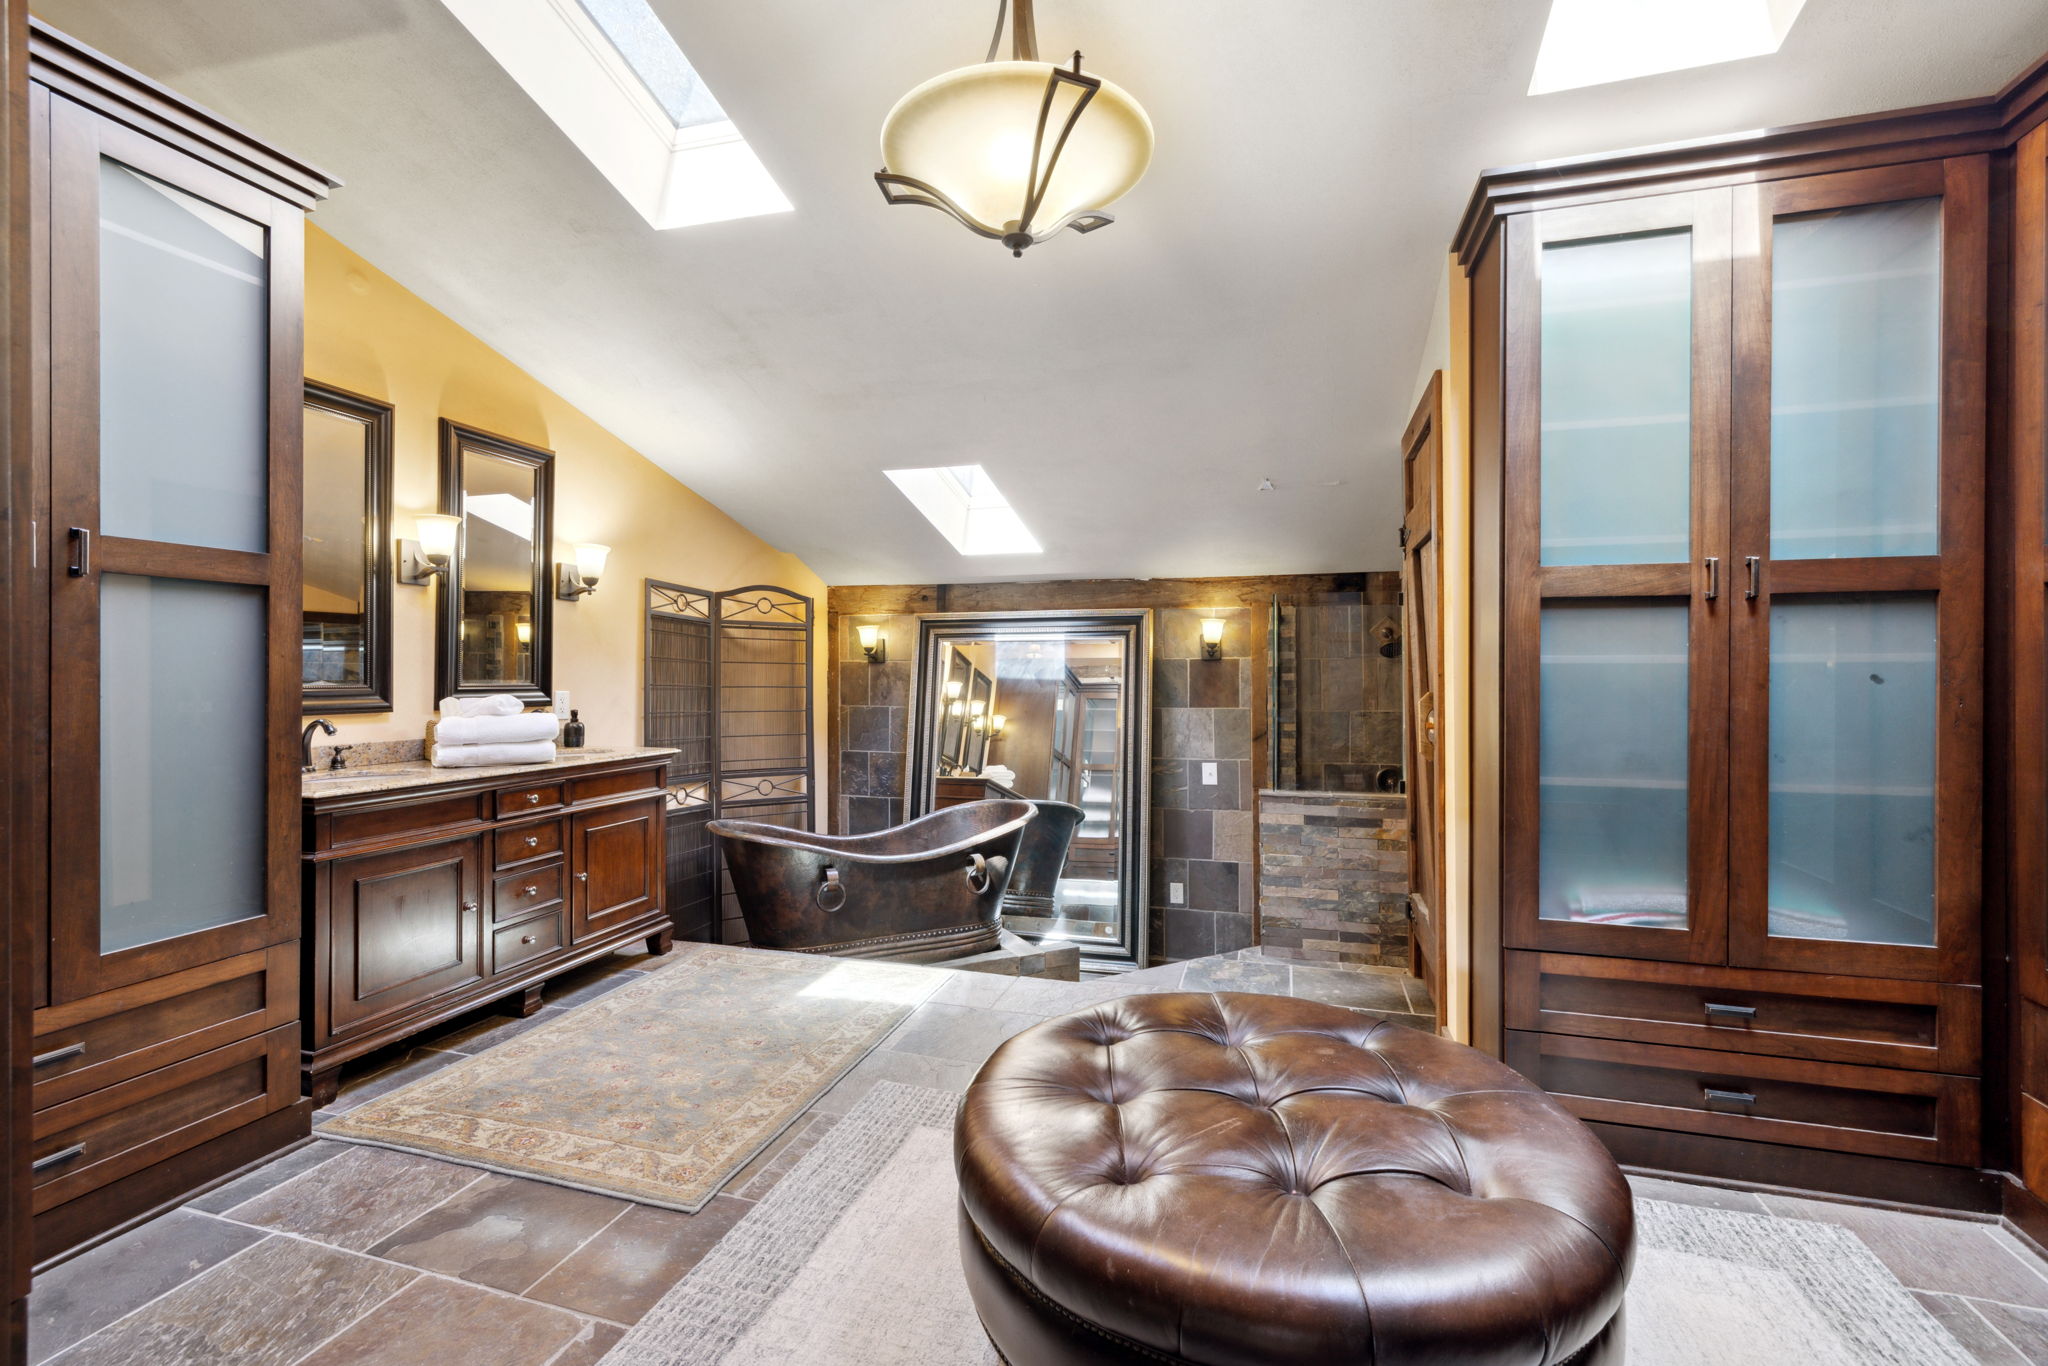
(728, 686)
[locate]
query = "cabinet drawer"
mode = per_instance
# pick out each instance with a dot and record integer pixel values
(615, 784)
(524, 801)
(404, 818)
(81, 1046)
(1882, 1111)
(82, 1144)
(1927, 1026)
(520, 894)
(527, 842)
(522, 943)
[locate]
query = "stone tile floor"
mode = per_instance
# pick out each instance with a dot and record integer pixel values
(335, 1253)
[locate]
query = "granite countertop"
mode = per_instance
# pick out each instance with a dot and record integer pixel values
(358, 782)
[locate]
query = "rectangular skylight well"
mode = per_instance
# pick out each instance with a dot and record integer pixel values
(967, 508)
(613, 80)
(1593, 42)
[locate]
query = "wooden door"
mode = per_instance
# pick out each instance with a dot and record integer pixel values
(175, 386)
(615, 856)
(403, 927)
(1614, 655)
(1857, 523)
(1422, 682)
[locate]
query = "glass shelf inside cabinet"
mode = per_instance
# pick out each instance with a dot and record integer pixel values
(1856, 381)
(1612, 764)
(1616, 459)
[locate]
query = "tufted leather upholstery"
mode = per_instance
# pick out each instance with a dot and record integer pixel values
(1234, 1179)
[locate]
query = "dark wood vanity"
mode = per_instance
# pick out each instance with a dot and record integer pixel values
(431, 891)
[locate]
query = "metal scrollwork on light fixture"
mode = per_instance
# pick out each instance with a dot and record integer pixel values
(967, 143)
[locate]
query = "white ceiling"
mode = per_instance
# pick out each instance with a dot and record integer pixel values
(1259, 310)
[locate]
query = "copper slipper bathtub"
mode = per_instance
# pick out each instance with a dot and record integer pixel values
(921, 892)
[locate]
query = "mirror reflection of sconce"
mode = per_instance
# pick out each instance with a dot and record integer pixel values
(1212, 637)
(953, 686)
(572, 581)
(874, 646)
(420, 560)
(525, 630)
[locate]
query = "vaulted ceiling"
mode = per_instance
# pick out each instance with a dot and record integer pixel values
(1258, 311)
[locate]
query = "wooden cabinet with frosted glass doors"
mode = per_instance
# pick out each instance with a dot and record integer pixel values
(1733, 457)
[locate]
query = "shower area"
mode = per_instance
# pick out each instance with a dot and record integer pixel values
(1332, 817)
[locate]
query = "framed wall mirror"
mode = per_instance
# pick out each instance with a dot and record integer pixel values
(345, 639)
(1072, 689)
(493, 631)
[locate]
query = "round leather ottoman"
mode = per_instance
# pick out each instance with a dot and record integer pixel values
(1234, 1179)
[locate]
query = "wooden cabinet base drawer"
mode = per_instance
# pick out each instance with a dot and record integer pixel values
(524, 801)
(524, 843)
(83, 1144)
(517, 945)
(1882, 1111)
(514, 895)
(1924, 1026)
(83, 1045)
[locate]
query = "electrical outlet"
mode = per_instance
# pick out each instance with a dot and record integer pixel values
(1208, 775)
(562, 704)
(1176, 893)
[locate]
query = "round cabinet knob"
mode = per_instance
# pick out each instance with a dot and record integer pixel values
(470, 907)
(583, 877)
(532, 889)
(526, 939)
(533, 799)
(533, 841)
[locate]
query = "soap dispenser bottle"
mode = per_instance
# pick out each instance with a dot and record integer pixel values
(572, 732)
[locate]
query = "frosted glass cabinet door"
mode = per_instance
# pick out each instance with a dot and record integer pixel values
(1856, 381)
(1616, 459)
(183, 367)
(1853, 684)
(1612, 764)
(182, 833)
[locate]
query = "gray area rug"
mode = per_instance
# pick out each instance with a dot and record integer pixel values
(851, 1259)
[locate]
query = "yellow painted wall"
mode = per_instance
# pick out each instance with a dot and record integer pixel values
(368, 333)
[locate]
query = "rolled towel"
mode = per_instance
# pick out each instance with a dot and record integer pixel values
(497, 704)
(478, 756)
(497, 730)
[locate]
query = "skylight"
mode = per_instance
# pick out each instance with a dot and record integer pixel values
(613, 80)
(967, 508)
(1592, 42)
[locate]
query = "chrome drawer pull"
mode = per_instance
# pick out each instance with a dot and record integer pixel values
(531, 889)
(533, 841)
(70, 1050)
(526, 939)
(56, 1159)
(1744, 1013)
(1716, 1096)
(533, 799)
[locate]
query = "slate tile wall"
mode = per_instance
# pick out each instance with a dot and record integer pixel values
(874, 703)
(1333, 877)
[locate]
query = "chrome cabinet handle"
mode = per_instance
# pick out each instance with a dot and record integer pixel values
(1717, 1096)
(533, 841)
(1713, 568)
(583, 877)
(526, 939)
(531, 889)
(470, 907)
(1753, 564)
(56, 1159)
(533, 799)
(55, 1055)
(1743, 1013)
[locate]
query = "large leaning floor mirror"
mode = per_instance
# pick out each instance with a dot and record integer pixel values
(1051, 707)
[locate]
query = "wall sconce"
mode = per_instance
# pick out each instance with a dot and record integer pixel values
(873, 644)
(956, 709)
(572, 581)
(1212, 637)
(996, 723)
(525, 632)
(953, 689)
(420, 560)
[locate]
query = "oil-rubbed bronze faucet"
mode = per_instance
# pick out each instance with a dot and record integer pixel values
(306, 742)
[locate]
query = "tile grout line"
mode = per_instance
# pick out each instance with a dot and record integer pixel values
(625, 1205)
(398, 1290)
(172, 1291)
(1970, 1304)
(2006, 1245)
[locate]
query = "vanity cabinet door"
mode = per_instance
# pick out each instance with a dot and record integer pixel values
(616, 858)
(403, 927)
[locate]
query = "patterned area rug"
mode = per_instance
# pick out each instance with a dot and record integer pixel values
(657, 1091)
(852, 1259)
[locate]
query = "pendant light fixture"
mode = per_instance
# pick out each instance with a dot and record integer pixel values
(1015, 150)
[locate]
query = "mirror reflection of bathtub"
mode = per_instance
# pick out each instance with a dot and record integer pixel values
(1049, 707)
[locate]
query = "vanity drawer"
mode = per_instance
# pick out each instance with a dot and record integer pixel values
(522, 893)
(1881, 1111)
(530, 842)
(1926, 1026)
(83, 1144)
(379, 825)
(616, 784)
(524, 801)
(522, 943)
(83, 1045)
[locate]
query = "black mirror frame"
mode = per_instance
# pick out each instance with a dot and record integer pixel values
(457, 438)
(373, 694)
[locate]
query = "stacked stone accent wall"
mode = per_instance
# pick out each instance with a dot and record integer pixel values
(1333, 877)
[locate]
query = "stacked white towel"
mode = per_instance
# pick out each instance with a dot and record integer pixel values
(478, 731)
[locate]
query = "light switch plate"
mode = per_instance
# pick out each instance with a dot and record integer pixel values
(1208, 775)
(562, 704)
(1176, 893)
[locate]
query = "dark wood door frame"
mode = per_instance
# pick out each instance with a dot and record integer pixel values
(17, 723)
(1422, 582)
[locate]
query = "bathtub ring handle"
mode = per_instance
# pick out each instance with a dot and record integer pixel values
(831, 893)
(977, 873)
